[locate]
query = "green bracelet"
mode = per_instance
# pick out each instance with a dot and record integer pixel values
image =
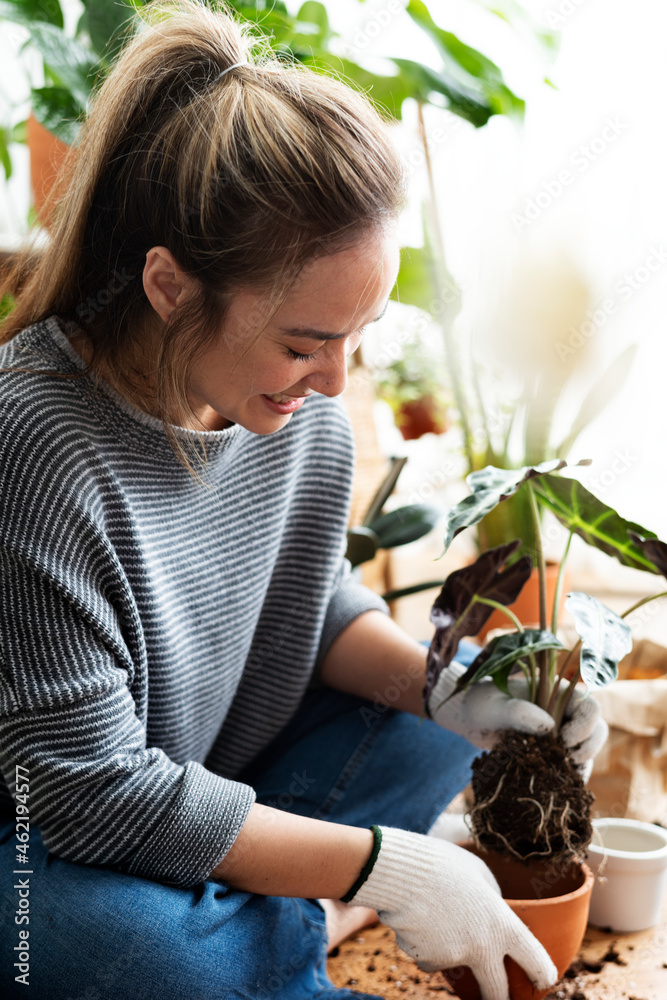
(368, 867)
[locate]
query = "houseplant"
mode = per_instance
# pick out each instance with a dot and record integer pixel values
(530, 801)
(412, 386)
(386, 530)
(75, 63)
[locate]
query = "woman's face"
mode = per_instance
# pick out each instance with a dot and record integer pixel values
(259, 382)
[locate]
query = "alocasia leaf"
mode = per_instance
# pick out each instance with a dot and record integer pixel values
(489, 487)
(653, 549)
(599, 525)
(605, 638)
(456, 613)
(499, 656)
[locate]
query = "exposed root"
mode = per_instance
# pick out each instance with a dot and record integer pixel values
(530, 800)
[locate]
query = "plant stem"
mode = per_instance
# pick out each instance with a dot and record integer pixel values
(644, 600)
(499, 607)
(559, 585)
(510, 614)
(445, 323)
(564, 700)
(543, 678)
(558, 703)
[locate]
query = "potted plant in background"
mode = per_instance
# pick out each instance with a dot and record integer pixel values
(531, 817)
(412, 385)
(517, 408)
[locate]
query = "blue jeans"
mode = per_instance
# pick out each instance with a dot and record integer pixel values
(98, 934)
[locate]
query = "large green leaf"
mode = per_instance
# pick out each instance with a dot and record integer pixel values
(462, 100)
(490, 486)
(108, 23)
(599, 525)
(74, 65)
(406, 524)
(467, 65)
(414, 284)
(28, 11)
(312, 30)
(387, 92)
(604, 390)
(499, 656)
(58, 111)
(605, 638)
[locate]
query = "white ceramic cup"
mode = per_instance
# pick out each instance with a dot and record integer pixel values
(631, 859)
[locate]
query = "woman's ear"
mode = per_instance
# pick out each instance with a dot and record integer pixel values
(165, 283)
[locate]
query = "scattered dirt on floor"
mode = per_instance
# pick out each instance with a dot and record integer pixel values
(372, 962)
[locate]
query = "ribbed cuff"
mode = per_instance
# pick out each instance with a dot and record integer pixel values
(368, 867)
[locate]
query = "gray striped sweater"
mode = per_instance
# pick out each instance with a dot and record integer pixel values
(156, 634)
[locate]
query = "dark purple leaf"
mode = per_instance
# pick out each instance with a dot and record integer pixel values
(653, 549)
(455, 612)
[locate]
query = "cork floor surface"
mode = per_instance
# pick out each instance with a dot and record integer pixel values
(610, 967)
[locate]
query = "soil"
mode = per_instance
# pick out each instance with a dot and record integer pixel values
(371, 962)
(538, 807)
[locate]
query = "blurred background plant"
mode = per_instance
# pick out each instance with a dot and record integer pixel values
(414, 387)
(522, 391)
(75, 61)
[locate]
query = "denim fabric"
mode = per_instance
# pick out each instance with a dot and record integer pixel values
(97, 934)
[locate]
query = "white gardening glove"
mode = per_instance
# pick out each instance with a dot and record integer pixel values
(446, 909)
(482, 710)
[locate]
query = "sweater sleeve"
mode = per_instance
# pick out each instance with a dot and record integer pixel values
(99, 794)
(349, 599)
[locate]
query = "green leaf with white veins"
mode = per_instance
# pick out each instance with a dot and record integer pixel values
(599, 525)
(605, 638)
(489, 487)
(499, 656)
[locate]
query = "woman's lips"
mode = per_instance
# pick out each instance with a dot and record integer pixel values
(289, 404)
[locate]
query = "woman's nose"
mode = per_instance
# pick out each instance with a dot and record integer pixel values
(330, 374)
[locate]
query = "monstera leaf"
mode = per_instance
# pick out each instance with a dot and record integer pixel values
(457, 612)
(605, 638)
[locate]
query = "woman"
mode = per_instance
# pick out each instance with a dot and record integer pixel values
(203, 717)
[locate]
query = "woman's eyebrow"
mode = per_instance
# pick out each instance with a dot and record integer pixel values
(305, 331)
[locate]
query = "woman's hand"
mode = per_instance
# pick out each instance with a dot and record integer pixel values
(446, 909)
(481, 711)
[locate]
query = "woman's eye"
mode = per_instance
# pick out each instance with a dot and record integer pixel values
(299, 357)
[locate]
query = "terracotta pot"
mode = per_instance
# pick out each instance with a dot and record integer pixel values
(552, 900)
(47, 155)
(527, 605)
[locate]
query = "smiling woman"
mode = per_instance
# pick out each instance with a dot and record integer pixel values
(181, 638)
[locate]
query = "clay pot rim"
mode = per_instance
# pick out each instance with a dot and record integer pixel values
(586, 886)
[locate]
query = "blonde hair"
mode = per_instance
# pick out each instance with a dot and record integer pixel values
(243, 175)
